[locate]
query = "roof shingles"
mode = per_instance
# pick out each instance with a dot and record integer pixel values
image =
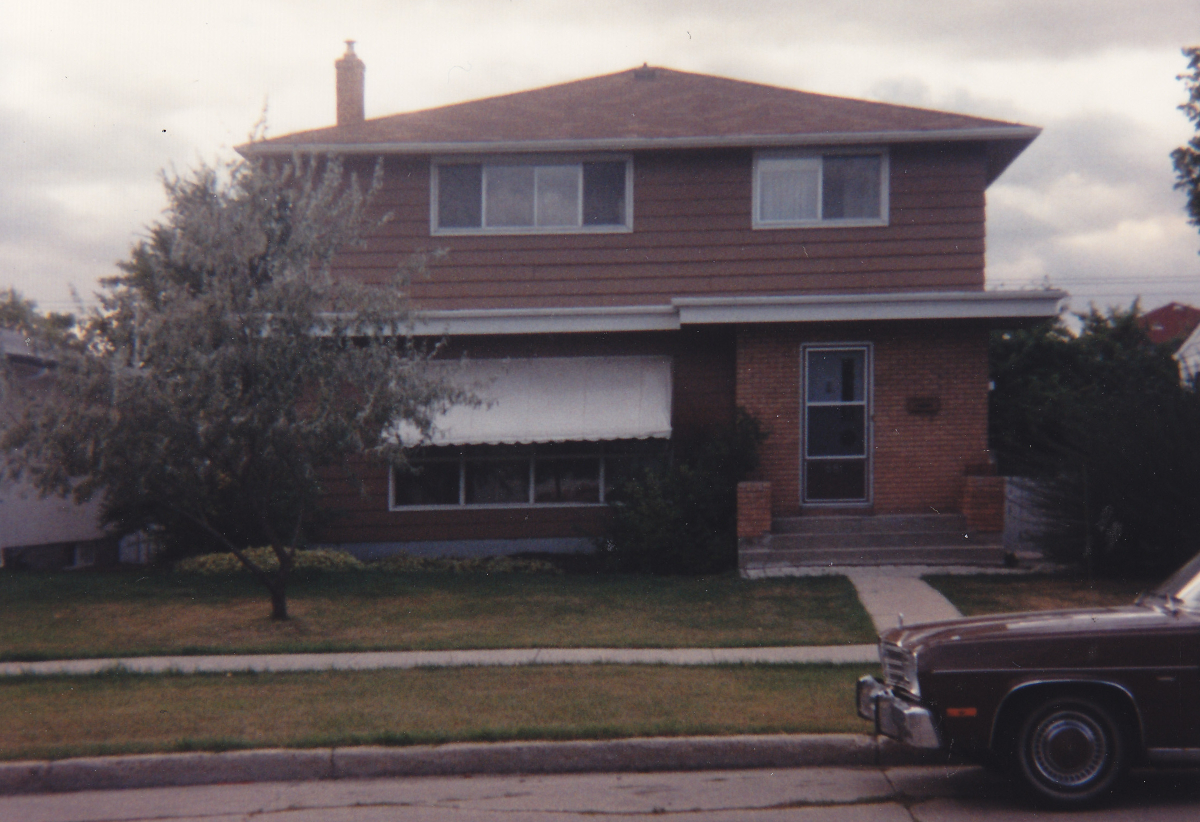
(644, 104)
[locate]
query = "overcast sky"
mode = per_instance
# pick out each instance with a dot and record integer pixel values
(97, 97)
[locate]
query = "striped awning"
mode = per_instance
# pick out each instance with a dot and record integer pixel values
(559, 399)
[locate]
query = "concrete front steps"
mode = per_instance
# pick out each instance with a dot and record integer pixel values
(913, 539)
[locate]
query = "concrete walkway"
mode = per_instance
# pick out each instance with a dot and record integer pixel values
(886, 592)
(382, 660)
(895, 594)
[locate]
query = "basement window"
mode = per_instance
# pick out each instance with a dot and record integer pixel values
(800, 189)
(512, 196)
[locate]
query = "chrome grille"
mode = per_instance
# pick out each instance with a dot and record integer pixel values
(899, 667)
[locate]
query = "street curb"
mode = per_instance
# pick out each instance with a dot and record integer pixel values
(459, 759)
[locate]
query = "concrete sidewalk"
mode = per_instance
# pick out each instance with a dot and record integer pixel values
(383, 660)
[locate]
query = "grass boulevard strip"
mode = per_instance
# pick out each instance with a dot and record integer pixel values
(56, 717)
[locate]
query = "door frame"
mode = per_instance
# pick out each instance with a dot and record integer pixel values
(868, 411)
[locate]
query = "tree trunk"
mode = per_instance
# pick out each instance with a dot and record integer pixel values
(278, 602)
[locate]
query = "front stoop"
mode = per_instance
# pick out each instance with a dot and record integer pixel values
(914, 539)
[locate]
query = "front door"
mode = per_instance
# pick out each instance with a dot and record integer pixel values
(836, 437)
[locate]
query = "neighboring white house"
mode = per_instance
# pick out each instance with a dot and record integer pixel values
(1188, 356)
(36, 531)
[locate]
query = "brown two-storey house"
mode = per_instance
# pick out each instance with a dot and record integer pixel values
(632, 257)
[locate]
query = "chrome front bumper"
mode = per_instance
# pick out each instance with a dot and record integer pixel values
(895, 717)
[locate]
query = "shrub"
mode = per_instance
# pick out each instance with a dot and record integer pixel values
(316, 560)
(1103, 424)
(682, 518)
(405, 563)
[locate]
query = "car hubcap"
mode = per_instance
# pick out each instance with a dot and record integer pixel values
(1069, 749)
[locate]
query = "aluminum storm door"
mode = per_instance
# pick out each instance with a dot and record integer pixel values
(836, 437)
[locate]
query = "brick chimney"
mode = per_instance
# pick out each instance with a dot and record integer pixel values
(350, 72)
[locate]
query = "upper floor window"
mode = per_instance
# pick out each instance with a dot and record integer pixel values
(540, 196)
(809, 189)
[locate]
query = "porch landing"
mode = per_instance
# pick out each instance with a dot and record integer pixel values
(913, 539)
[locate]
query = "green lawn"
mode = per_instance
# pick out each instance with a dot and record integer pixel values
(992, 594)
(107, 614)
(124, 713)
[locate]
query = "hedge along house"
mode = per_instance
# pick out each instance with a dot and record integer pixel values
(634, 256)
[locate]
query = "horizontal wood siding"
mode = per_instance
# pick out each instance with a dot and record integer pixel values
(692, 237)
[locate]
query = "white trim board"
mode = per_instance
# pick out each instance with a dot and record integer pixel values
(684, 311)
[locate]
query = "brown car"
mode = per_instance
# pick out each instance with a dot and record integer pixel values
(1066, 699)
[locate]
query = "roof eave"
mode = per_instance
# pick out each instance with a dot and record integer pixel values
(996, 309)
(1007, 143)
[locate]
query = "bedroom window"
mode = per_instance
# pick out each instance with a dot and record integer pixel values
(813, 189)
(531, 197)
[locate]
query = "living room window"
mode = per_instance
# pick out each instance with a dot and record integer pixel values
(581, 473)
(798, 189)
(544, 196)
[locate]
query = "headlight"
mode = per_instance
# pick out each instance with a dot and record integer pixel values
(899, 668)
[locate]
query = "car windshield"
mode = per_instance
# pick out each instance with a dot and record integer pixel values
(1183, 585)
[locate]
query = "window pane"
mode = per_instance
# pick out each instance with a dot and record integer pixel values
(508, 195)
(460, 195)
(604, 194)
(787, 189)
(558, 196)
(497, 481)
(836, 431)
(836, 376)
(835, 480)
(427, 483)
(851, 187)
(567, 480)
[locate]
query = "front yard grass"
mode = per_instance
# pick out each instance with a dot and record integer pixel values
(73, 615)
(993, 594)
(56, 717)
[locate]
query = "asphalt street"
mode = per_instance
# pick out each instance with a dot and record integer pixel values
(924, 794)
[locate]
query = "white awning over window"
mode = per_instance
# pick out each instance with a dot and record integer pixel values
(559, 399)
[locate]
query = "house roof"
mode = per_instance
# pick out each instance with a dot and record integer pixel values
(652, 107)
(1170, 323)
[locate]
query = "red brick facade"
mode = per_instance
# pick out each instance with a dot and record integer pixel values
(918, 458)
(753, 509)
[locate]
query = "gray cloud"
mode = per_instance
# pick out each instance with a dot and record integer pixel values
(983, 28)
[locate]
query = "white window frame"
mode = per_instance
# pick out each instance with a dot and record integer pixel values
(538, 161)
(884, 189)
(868, 420)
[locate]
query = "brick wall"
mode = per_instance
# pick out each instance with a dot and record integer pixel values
(753, 509)
(929, 407)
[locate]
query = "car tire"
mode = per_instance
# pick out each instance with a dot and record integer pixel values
(1070, 750)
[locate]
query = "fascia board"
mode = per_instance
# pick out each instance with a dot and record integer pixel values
(998, 305)
(1022, 133)
(991, 305)
(545, 320)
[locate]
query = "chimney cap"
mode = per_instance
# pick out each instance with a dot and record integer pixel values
(349, 48)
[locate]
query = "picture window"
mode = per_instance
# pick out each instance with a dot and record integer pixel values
(583, 473)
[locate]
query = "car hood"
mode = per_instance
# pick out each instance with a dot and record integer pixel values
(1039, 625)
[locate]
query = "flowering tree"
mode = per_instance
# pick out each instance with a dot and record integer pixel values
(227, 369)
